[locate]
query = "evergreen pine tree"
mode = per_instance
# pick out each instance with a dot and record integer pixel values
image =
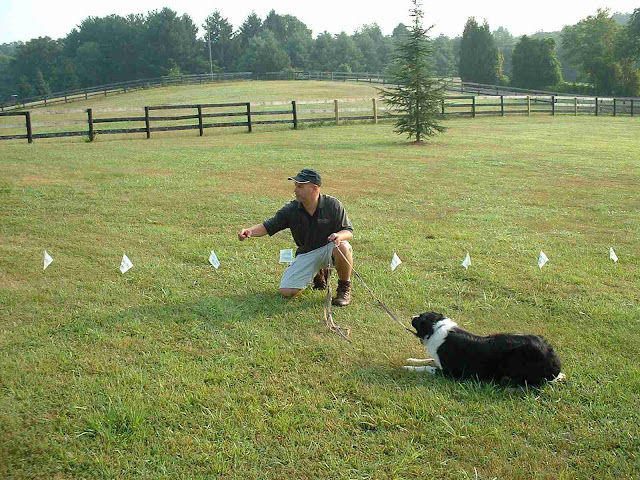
(418, 95)
(42, 86)
(479, 56)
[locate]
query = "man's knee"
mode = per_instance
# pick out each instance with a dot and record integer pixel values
(345, 249)
(289, 292)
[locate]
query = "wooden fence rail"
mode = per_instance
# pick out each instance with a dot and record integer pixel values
(241, 114)
(451, 84)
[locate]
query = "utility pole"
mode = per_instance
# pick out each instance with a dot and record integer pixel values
(210, 61)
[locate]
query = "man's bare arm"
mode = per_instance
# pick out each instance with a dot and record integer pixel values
(341, 236)
(255, 231)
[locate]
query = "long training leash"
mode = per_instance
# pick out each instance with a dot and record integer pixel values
(334, 327)
(384, 307)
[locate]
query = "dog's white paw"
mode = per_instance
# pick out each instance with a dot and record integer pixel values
(422, 361)
(424, 368)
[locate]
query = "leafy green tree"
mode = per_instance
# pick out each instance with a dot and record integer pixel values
(569, 72)
(375, 48)
(505, 43)
(265, 54)
(399, 31)
(479, 56)
(225, 47)
(42, 87)
(42, 55)
(298, 46)
(9, 49)
(632, 34)
(418, 95)
(590, 45)
(89, 62)
(535, 64)
(119, 43)
(68, 75)
(7, 87)
(347, 52)
(170, 37)
(284, 26)
(293, 35)
(25, 90)
(323, 52)
(445, 56)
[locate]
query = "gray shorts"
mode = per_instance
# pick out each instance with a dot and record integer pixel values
(301, 271)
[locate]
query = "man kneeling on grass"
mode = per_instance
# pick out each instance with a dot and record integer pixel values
(320, 226)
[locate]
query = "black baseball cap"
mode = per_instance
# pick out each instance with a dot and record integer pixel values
(307, 175)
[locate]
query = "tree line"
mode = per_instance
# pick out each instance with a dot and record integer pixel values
(599, 55)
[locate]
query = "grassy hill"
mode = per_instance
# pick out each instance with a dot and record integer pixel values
(178, 370)
(72, 116)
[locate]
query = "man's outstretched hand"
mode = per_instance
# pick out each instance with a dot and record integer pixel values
(244, 234)
(335, 238)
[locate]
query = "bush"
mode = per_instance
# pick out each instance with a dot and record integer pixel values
(573, 88)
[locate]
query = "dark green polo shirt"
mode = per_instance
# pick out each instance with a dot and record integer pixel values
(310, 231)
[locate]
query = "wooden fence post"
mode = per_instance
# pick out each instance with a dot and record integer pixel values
(575, 105)
(632, 107)
(473, 107)
(249, 117)
(442, 106)
(553, 105)
(45, 100)
(147, 122)
(86, 95)
(502, 105)
(90, 118)
(614, 107)
(335, 108)
(200, 120)
(596, 106)
(528, 105)
(375, 111)
(27, 117)
(294, 111)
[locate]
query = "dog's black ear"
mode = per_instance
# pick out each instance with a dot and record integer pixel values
(434, 317)
(422, 325)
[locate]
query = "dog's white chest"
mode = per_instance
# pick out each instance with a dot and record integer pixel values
(435, 341)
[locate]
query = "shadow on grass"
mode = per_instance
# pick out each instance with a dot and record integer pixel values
(218, 312)
(384, 375)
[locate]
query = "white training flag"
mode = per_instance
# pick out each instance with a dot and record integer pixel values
(47, 260)
(466, 262)
(126, 264)
(612, 255)
(286, 255)
(395, 261)
(542, 259)
(213, 260)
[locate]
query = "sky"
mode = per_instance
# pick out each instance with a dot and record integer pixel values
(22, 20)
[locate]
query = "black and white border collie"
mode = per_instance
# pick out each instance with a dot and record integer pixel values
(514, 358)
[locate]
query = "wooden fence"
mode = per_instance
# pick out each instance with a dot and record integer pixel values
(452, 85)
(119, 88)
(244, 114)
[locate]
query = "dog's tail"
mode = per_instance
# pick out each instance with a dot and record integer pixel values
(560, 378)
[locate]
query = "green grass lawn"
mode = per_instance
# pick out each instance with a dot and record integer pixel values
(73, 117)
(178, 370)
